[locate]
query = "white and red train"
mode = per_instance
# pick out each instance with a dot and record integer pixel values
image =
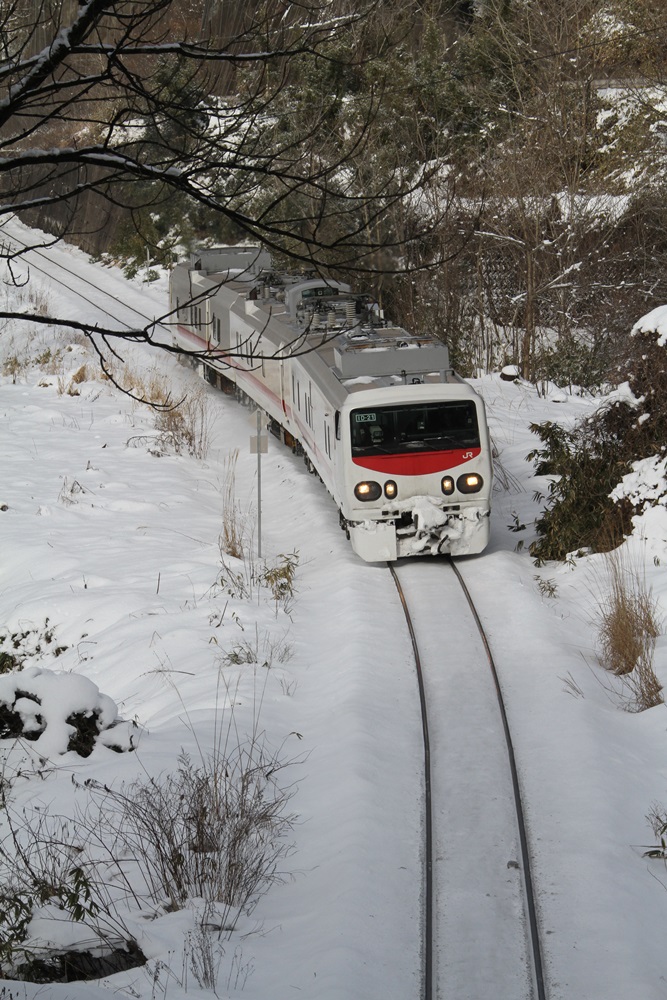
(398, 438)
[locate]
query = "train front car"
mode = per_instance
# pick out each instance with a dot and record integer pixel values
(418, 472)
(397, 437)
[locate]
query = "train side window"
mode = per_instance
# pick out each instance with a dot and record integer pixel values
(337, 424)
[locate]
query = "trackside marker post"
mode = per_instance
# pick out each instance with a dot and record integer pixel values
(259, 445)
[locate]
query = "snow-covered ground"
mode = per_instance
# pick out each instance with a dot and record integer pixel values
(110, 554)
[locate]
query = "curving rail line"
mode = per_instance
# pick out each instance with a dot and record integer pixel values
(432, 905)
(11, 238)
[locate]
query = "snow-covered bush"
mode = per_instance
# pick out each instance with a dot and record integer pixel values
(214, 829)
(28, 642)
(568, 362)
(59, 712)
(212, 832)
(586, 508)
(585, 463)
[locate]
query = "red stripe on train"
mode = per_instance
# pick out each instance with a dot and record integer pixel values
(418, 463)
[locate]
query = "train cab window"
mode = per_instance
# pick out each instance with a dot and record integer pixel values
(397, 430)
(361, 438)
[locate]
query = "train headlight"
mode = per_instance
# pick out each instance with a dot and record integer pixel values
(447, 485)
(470, 483)
(368, 491)
(390, 489)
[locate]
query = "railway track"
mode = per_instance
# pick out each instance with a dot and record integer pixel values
(480, 928)
(114, 308)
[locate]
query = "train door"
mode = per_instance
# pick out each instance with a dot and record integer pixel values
(283, 380)
(208, 324)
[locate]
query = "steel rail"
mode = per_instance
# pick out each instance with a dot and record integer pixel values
(428, 917)
(86, 281)
(529, 893)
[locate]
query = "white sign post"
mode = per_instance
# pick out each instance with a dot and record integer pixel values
(259, 445)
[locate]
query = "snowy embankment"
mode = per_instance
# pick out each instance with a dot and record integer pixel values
(111, 545)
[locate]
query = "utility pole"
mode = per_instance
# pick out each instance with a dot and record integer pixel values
(259, 445)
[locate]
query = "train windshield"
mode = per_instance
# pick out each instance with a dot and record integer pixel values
(396, 430)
